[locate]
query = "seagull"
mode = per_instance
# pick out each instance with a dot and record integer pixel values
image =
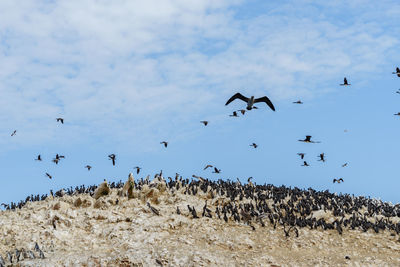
(251, 101)
(345, 83)
(14, 133)
(397, 72)
(112, 157)
(208, 166)
(338, 180)
(308, 140)
(137, 169)
(88, 167)
(254, 145)
(216, 170)
(243, 111)
(234, 114)
(39, 158)
(60, 120)
(165, 143)
(48, 175)
(322, 157)
(305, 164)
(298, 102)
(204, 122)
(344, 165)
(301, 155)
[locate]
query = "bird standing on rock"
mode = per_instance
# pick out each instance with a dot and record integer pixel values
(251, 101)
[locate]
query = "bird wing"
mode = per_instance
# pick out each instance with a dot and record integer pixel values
(266, 100)
(235, 96)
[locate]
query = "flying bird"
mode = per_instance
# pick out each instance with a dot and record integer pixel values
(344, 165)
(39, 158)
(251, 101)
(88, 167)
(298, 102)
(254, 145)
(397, 72)
(14, 133)
(204, 122)
(56, 161)
(112, 157)
(243, 111)
(301, 155)
(165, 143)
(338, 180)
(59, 157)
(137, 169)
(322, 157)
(216, 170)
(308, 140)
(208, 166)
(397, 114)
(48, 175)
(234, 114)
(398, 91)
(60, 120)
(345, 83)
(305, 164)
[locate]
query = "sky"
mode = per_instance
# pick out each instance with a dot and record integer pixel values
(126, 75)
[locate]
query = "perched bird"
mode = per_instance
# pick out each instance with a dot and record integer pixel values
(60, 120)
(154, 210)
(137, 169)
(165, 143)
(344, 165)
(305, 164)
(322, 157)
(48, 175)
(301, 155)
(345, 83)
(338, 180)
(39, 158)
(88, 167)
(243, 111)
(204, 122)
(251, 101)
(208, 166)
(234, 114)
(14, 133)
(112, 157)
(216, 170)
(397, 72)
(254, 145)
(298, 102)
(308, 140)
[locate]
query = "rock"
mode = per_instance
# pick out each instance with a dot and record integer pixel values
(102, 190)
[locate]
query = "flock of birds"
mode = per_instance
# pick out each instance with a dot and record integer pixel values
(250, 104)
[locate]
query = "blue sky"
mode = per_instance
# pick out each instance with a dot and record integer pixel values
(126, 75)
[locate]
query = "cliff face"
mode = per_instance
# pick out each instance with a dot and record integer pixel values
(78, 230)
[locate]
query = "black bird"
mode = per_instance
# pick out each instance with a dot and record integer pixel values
(88, 167)
(165, 143)
(137, 169)
(56, 161)
(251, 101)
(112, 157)
(204, 122)
(344, 165)
(39, 158)
(398, 91)
(254, 145)
(345, 83)
(234, 114)
(397, 72)
(154, 210)
(216, 170)
(301, 155)
(305, 164)
(208, 166)
(59, 157)
(60, 120)
(177, 210)
(14, 133)
(243, 111)
(48, 175)
(322, 157)
(397, 114)
(249, 179)
(298, 102)
(308, 140)
(338, 180)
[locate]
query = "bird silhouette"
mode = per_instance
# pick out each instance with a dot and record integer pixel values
(208, 166)
(137, 169)
(305, 164)
(338, 180)
(14, 133)
(234, 114)
(397, 114)
(251, 101)
(301, 155)
(60, 120)
(397, 72)
(88, 167)
(48, 175)
(308, 140)
(39, 158)
(56, 161)
(216, 170)
(204, 122)
(243, 111)
(254, 145)
(345, 83)
(165, 143)
(322, 157)
(112, 157)
(344, 165)
(398, 91)
(298, 102)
